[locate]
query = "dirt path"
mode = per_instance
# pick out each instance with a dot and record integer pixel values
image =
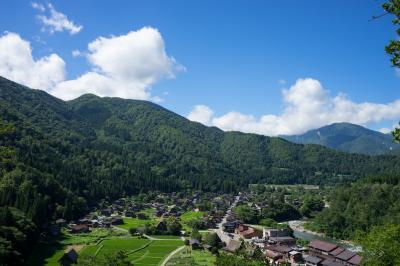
(171, 255)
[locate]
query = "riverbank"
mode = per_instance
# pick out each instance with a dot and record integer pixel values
(298, 225)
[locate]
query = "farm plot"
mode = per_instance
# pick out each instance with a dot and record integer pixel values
(139, 251)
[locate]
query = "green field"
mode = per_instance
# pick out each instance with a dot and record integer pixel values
(191, 215)
(48, 253)
(139, 251)
(165, 237)
(135, 223)
(194, 258)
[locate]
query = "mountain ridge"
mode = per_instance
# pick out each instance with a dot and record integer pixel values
(348, 137)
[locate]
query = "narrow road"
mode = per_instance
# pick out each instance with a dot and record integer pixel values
(171, 255)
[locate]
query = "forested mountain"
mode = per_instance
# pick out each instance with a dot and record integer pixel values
(57, 158)
(348, 138)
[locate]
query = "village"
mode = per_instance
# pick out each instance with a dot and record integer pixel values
(195, 216)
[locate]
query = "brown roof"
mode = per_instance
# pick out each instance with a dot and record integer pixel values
(345, 255)
(273, 255)
(356, 260)
(336, 251)
(278, 248)
(322, 245)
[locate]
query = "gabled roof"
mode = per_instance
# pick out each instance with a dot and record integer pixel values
(322, 245)
(278, 248)
(314, 260)
(336, 251)
(356, 260)
(233, 245)
(345, 255)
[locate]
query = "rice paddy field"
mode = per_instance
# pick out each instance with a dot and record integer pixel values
(139, 251)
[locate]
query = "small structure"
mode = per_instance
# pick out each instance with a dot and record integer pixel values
(61, 222)
(295, 256)
(194, 244)
(79, 228)
(233, 245)
(162, 226)
(106, 212)
(117, 220)
(313, 261)
(70, 257)
(248, 232)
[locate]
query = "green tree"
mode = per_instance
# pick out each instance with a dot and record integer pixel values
(393, 48)
(382, 246)
(213, 240)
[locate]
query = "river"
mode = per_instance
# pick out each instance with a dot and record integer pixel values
(300, 232)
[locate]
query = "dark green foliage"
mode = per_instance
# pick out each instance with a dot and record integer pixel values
(245, 214)
(213, 240)
(393, 48)
(357, 208)
(348, 138)
(233, 260)
(381, 246)
(17, 235)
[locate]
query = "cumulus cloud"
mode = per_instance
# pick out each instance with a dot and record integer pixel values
(123, 66)
(307, 105)
(18, 64)
(201, 113)
(55, 21)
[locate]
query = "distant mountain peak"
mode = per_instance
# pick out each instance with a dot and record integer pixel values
(348, 137)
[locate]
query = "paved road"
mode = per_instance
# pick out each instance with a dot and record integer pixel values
(171, 254)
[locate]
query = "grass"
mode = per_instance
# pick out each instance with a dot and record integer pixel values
(195, 258)
(140, 251)
(191, 215)
(135, 223)
(165, 236)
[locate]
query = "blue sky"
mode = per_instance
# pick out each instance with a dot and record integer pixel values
(235, 57)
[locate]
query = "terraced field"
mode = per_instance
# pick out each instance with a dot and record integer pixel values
(139, 251)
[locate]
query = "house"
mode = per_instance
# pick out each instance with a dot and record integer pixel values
(162, 226)
(248, 232)
(194, 244)
(356, 260)
(61, 222)
(230, 226)
(281, 250)
(272, 232)
(233, 245)
(295, 256)
(106, 212)
(70, 257)
(284, 240)
(79, 228)
(321, 247)
(129, 213)
(313, 261)
(117, 220)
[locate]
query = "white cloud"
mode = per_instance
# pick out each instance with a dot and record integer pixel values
(282, 81)
(307, 106)
(76, 53)
(123, 66)
(38, 6)
(201, 113)
(18, 64)
(55, 21)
